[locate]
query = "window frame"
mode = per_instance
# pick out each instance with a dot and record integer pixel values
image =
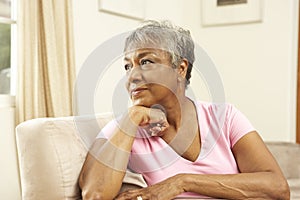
(13, 53)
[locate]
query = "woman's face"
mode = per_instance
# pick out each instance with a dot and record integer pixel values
(150, 77)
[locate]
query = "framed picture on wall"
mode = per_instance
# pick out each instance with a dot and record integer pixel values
(226, 12)
(134, 9)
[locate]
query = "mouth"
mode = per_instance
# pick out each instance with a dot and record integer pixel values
(137, 91)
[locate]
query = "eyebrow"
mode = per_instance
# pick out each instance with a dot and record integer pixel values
(141, 55)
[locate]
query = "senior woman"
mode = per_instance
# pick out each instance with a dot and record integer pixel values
(183, 148)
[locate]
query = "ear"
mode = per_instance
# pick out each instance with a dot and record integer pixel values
(182, 68)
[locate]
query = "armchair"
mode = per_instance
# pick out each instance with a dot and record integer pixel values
(51, 152)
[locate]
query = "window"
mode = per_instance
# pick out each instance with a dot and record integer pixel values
(230, 2)
(7, 46)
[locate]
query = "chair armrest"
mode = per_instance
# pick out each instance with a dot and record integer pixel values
(51, 152)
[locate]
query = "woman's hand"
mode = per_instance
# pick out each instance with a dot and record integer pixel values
(165, 190)
(153, 120)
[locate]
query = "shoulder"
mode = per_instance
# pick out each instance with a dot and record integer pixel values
(211, 105)
(217, 111)
(226, 117)
(220, 109)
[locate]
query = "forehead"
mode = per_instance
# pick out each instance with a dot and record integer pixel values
(142, 52)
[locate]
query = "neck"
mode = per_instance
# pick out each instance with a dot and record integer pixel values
(176, 109)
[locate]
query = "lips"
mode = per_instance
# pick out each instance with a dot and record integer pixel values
(137, 91)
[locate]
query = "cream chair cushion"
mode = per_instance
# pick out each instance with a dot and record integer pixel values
(51, 153)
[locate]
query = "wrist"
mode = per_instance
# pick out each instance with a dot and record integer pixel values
(127, 126)
(181, 182)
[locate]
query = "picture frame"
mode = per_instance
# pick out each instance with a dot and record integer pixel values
(133, 9)
(237, 12)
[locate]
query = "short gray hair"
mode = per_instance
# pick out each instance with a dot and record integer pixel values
(164, 35)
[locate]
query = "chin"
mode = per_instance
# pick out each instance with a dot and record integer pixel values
(142, 102)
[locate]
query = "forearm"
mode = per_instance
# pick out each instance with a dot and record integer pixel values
(115, 152)
(259, 185)
(104, 169)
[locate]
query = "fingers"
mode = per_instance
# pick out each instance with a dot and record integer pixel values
(132, 194)
(157, 122)
(155, 129)
(153, 120)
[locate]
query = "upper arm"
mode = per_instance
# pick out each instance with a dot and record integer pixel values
(252, 155)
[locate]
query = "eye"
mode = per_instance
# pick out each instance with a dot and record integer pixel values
(128, 67)
(146, 61)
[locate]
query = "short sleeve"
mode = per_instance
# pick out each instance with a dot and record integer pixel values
(238, 125)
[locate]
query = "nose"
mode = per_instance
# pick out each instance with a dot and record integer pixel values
(134, 76)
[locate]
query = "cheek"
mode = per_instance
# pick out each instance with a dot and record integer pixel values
(169, 81)
(165, 77)
(163, 88)
(127, 84)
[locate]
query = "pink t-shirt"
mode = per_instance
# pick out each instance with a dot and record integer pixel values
(221, 126)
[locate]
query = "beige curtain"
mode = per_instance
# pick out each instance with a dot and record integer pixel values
(45, 59)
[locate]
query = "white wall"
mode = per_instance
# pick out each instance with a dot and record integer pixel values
(257, 62)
